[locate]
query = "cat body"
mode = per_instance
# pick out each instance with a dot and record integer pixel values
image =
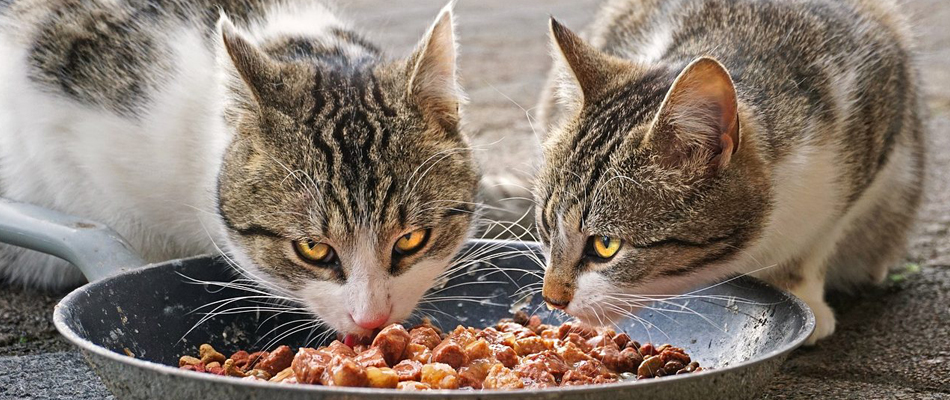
(780, 139)
(268, 130)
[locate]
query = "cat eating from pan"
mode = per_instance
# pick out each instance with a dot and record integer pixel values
(328, 172)
(694, 140)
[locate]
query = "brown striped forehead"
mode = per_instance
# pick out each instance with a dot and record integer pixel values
(607, 130)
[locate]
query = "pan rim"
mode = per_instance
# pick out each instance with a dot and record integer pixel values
(59, 320)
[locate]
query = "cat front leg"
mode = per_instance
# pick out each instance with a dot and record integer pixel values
(811, 289)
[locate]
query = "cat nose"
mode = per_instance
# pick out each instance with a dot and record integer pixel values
(370, 322)
(558, 304)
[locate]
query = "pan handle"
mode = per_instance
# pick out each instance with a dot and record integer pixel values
(96, 249)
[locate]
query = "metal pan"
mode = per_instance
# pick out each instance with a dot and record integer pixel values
(133, 322)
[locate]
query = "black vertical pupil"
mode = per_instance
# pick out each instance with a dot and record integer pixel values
(311, 244)
(407, 236)
(605, 240)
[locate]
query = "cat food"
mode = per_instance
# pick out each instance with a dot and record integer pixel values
(519, 353)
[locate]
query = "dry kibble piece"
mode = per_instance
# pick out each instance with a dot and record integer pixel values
(649, 367)
(187, 360)
(231, 369)
(382, 377)
(440, 376)
(276, 361)
(213, 364)
(208, 354)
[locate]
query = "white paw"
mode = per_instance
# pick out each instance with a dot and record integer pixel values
(824, 321)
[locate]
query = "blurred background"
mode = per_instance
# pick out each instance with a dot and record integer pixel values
(892, 342)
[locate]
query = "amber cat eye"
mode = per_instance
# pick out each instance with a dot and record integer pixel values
(314, 252)
(605, 246)
(411, 241)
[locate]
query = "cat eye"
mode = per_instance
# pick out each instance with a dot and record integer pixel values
(411, 241)
(314, 252)
(604, 246)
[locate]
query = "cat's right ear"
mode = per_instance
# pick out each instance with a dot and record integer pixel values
(585, 72)
(248, 67)
(433, 78)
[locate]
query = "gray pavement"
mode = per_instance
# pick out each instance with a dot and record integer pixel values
(892, 342)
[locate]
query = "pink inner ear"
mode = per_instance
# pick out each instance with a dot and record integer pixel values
(702, 106)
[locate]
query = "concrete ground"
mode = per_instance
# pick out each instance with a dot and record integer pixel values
(891, 342)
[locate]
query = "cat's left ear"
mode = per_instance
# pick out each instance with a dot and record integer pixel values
(245, 63)
(433, 77)
(698, 122)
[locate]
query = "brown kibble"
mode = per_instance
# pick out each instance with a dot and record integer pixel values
(392, 341)
(187, 360)
(632, 358)
(230, 369)
(208, 354)
(672, 367)
(621, 340)
(253, 358)
(504, 354)
(408, 370)
(692, 366)
(384, 378)
(649, 367)
(440, 376)
(425, 336)
(338, 348)
(448, 352)
(278, 360)
(507, 356)
(647, 350)
(372, 357)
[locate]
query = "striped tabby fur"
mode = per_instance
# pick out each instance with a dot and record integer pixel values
(189, 125)
(720, 137)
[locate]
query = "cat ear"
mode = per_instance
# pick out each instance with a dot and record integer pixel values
(698, 121)
(433, 81)
(245, 62)
(585, 72)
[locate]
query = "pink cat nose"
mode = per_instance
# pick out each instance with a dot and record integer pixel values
(371, 322)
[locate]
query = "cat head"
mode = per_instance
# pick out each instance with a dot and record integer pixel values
(348, 184)
(650, 184)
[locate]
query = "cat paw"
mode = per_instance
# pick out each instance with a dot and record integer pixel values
(824, 322)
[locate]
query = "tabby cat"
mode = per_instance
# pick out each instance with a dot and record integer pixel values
(328, 172)
(692, 140)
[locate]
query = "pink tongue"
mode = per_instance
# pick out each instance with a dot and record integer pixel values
(351, 340)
